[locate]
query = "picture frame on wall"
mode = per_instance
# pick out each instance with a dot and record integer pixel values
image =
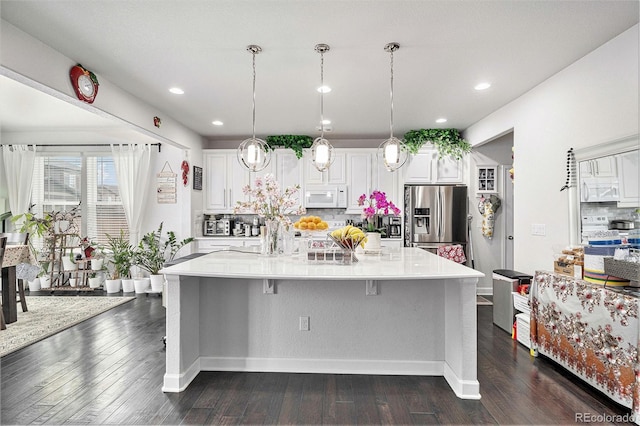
(197, 178)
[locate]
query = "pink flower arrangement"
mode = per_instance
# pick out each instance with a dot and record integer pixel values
(268, 201)
(376, 204)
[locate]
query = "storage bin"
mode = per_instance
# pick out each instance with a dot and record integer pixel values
(523, 330)
(521, 302)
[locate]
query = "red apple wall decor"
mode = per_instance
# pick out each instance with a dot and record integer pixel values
(85, 83)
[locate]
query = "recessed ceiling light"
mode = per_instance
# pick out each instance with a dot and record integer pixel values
(324, 89)
(441, 120)
(482, 86)
(176, 91)
(325, 121)
(217, 123)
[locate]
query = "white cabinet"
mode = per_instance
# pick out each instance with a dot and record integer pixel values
(224, 179)
(599, 167)
(629, 179)
(394, 243)
(426, 167)
(418, 169)
(359, 178)
(207, 245)
(387, 182)
(289, 170)
(336, 174)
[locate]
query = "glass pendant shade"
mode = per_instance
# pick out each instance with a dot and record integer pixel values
(252, 154)
(393, 153)
(321, 154)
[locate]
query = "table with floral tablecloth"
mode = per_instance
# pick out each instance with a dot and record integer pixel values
(591, 330)
(13, 256)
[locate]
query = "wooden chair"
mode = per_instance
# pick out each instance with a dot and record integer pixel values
(3, 243)
(18, 238)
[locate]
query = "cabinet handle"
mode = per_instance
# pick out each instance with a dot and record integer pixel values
(224, 197)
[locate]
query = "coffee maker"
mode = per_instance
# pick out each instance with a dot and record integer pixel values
(395, 227)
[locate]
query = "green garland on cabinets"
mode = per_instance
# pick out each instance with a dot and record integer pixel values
(294, 142)
(448, 142)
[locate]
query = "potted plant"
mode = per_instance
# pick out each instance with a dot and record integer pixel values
(120, 261)
(154, 250)
(42, 228)
(448, 142)
(297, 143)
(374, 206)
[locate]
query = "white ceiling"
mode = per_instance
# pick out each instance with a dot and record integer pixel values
(447, 47)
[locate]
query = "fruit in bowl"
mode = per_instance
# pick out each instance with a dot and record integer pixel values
(349, 237)
(311, 223)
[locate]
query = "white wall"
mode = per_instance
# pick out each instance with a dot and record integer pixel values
(487, 252)
(36, 61)
(590, 102)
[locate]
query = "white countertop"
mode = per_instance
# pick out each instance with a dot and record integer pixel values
(402, 263)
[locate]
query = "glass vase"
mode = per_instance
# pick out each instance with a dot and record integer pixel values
(271, 237)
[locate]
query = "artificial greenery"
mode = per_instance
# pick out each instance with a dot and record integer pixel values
(153, 251)
(448, 142)
(40, 227)
(295, 142)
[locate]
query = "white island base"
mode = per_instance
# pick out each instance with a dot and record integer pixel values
(403, 312)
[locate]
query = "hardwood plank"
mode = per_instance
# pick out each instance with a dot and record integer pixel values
(109, 370)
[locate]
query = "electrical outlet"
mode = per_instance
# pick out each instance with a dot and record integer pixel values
(538, 229)
(304, 323)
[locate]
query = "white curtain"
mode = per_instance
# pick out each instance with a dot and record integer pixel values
(132, 163)
(19, 161)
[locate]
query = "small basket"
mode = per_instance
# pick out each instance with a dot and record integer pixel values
(621, 268)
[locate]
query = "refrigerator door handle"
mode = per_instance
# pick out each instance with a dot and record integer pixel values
(439, 214)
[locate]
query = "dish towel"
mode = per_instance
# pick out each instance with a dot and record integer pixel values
(452, 252)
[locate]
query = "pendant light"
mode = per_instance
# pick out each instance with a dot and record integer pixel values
(253, 153)
(321, 150)
(392, 151)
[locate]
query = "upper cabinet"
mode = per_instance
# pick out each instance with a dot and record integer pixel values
(335, 175)
(224, 179)
(426, 168)
(289, 170)
(629, 178)
(599, 167)
(359, 177)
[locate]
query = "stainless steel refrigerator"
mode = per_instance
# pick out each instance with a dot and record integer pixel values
(435, 215)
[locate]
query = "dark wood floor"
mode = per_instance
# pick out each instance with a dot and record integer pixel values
(108, 370)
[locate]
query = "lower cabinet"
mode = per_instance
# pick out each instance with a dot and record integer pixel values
(209, 244)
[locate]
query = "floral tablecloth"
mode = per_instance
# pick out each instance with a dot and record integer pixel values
(589, 329)
(16, 254)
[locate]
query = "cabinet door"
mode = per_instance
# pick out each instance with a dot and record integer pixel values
(605, 166)
(289, 171)
(359, 171)
(336, 174)
(215, 182)
(629, 178)
(419, 168)
(387, 182)
(237, 178)
(448, 170)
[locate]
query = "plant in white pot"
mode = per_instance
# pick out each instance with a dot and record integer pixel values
(42, 254)
(154, 250)
(120, 260)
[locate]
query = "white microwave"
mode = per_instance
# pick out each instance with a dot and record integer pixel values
(328, 197)
(599, 190)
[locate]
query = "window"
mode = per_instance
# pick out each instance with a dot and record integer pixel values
(61, 182)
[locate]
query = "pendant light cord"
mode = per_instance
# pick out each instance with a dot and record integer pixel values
(254, 94)
(322, 94)
(391, 119)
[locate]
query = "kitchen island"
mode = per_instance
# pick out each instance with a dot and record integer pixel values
(403, 311)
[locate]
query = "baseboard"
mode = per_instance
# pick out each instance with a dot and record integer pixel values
(464, 389)
(179, 382)
(326, 366)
